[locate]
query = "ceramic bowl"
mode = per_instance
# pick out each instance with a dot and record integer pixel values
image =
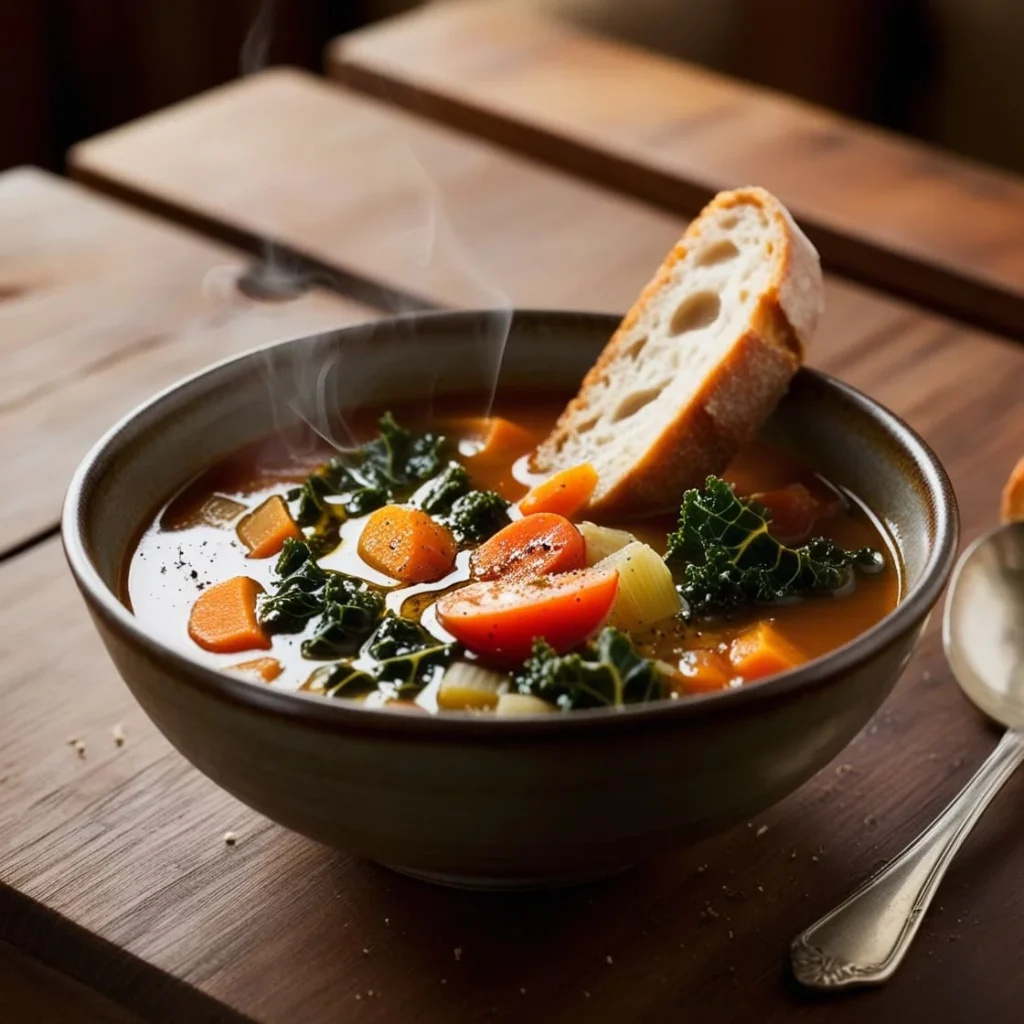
(462, 798)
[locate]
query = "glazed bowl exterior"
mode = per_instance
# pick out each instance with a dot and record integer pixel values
(464, 798)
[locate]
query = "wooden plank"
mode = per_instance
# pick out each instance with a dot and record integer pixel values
(103, 306)
(375, 195)
(366, 189)
(31, 992)
(125, 843)
(882, 209)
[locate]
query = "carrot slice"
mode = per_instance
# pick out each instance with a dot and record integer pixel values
(502, 618)
(224, 620)
(566, 493)
(763, 651)
(265, 529)
(267, 669)
(494, 437)
(703, 671)
(794, 511)
(407, 545)
(531, 546)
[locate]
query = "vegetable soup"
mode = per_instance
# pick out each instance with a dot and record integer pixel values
(426, 567)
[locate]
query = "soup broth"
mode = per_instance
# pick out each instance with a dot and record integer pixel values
(205, 534)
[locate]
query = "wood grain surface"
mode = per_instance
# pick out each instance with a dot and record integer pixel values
(31, 992)
(368, 190)
(101, 307)
(351, 185)
(113, 868)
(882, 209)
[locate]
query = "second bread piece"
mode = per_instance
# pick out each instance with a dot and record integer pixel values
(699, 362)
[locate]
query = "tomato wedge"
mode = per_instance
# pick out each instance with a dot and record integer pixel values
(532, 546)
(501, 618)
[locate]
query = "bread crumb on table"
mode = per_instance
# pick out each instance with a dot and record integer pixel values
(79, 747)
(118, 734)
(761, 831)
(230, 838)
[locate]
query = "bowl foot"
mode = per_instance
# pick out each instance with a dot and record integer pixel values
(511, 884)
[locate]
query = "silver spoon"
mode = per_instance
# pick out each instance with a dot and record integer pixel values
(865, 938)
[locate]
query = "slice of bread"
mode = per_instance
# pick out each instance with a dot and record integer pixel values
(1013, 495)
(699, 362)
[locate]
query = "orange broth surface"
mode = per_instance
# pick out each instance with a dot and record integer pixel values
(192, 544)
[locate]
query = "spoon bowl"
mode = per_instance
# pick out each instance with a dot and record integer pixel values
(865, 938)
(983, 627)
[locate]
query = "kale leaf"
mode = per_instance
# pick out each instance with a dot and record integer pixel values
(396, 459)
(470, 515)
(299, 595)
(727, 556)
(406, 653)
(349, 608)
(437, 497)
(606, 673)
(400, 654)
(477, 515)
(383, 469)
(341, 680)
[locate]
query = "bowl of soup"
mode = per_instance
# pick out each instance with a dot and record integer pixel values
(328, 574)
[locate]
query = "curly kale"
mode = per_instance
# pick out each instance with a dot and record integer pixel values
(606, 673)
(349, 609)
(727, 557)
(404, 652)
(400, 654)
(382, 470)
(396, 459)
(471, 515)
(341, 680)
(477, 515)
(300, 593)
(438, 495)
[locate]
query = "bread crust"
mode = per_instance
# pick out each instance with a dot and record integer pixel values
(705, 435)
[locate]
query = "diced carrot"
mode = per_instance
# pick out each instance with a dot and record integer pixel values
(407, 545)
(704, 671)
(265, 529)
(763, 651)
(794, 511)
(493, 437)
(502, 618)
(532, 546)
(566, 493)
(224, 620)
(267, 669)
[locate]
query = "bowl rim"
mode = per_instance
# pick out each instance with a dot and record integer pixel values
(318, 712)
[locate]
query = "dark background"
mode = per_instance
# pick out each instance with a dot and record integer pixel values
(948, 71)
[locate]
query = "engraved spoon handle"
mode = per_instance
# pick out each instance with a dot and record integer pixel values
(863, 940)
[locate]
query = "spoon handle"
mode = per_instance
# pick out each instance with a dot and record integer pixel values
(863, 940)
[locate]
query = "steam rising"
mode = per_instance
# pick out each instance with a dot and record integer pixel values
(333, 375)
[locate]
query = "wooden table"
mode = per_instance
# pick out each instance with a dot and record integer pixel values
(118, 896)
